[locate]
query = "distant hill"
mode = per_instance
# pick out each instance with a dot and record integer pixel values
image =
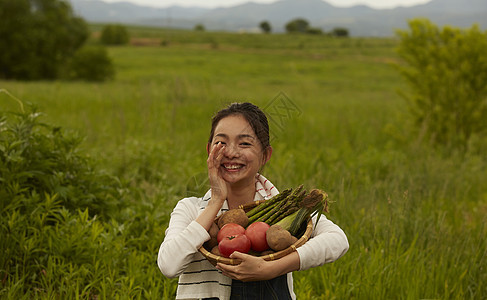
(361, 20)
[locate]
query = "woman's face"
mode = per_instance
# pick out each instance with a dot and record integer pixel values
(243, 154)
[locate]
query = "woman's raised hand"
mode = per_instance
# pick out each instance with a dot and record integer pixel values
(217, 183)
(218, 187)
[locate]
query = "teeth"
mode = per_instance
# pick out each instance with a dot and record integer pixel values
(232, 167)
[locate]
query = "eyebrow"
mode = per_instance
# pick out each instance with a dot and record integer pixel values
(240, 136)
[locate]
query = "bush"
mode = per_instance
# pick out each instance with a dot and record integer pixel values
(66, 230)
(114, 35)
(446, 70)
(38, 161)
(92, 63)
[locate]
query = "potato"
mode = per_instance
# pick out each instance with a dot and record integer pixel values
(235, 215)
(213, 231)
(216, 251)
(278, 238)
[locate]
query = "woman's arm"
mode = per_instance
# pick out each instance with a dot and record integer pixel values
(328, 243)
(188, 229)
(183, 238)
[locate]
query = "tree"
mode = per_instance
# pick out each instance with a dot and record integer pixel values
(199, 27)
(297, 25)
(446, 70)
(114, 34)
(339, 32)
(265, 27)
(37, 37)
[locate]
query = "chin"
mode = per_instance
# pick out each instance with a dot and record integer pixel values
(235, 178)
(231, 178)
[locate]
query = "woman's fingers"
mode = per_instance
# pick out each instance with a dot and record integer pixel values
(215, 156)
(218, 186)
(219, 156)
(251, 268)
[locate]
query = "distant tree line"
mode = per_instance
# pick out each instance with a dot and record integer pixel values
(300, 25)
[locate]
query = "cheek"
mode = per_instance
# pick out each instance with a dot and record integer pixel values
(258, 158)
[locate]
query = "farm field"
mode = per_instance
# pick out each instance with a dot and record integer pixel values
(414, 214)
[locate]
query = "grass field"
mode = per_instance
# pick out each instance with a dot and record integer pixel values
(414, 214)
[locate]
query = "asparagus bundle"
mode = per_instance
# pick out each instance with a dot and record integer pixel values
(260, 210)
(315, 203)
(290, 209)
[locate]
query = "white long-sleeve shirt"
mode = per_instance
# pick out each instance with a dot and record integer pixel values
(198, 278)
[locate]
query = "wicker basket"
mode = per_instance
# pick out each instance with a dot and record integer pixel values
(214, 259)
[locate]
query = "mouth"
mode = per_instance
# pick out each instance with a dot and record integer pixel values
(232, 167)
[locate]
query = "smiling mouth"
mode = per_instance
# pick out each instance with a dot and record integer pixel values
(232, 167)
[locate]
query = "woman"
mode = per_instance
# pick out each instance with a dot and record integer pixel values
(237, 149)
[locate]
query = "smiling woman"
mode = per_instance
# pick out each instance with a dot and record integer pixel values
(237, 149)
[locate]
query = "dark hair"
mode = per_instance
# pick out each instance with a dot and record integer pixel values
(253, 114)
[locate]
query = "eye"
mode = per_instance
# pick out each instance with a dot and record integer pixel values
(246, 144)
(219, 142)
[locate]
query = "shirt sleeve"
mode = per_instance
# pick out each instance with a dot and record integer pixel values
(328, 243)
(184, 236)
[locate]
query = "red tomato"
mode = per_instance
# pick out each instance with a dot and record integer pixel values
(229, 229)
(231, 243)
(256, 234)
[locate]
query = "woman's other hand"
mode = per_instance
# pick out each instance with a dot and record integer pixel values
(253, 268)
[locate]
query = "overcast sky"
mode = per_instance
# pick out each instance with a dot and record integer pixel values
(220, 3)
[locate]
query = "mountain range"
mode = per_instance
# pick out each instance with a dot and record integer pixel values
(360, 20)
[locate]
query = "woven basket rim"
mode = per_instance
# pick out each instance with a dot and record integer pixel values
(214, 259)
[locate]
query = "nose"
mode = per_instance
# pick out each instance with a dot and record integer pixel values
(231, 151)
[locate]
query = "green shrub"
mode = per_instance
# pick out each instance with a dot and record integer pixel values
(38, 160)
(66, 230)
(91, 63)
(446, 70)
(114, 35)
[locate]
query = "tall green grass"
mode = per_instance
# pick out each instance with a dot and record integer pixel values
(414, 214)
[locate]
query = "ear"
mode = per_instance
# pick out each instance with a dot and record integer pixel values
(267, 155)
(208, 146)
